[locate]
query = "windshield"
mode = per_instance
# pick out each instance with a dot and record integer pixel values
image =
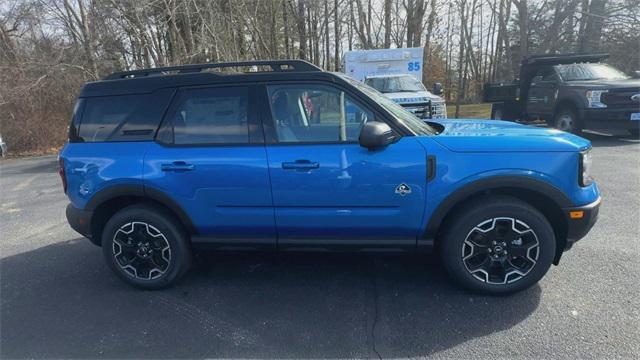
(395, 84)
(577, 72)
(403, 116)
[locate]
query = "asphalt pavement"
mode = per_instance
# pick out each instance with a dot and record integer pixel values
(59, 300)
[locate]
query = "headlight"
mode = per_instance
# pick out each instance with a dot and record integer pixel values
(593, 98)
(585, 168)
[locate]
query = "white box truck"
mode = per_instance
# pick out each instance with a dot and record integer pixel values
(397, 73)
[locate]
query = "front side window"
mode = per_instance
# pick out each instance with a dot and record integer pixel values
(417, 126)
(547, 74)
(315, 113)
(211, 116)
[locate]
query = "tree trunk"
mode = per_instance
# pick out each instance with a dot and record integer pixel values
(591, 37)
(387, 24)
(302, 52)
(336, 30)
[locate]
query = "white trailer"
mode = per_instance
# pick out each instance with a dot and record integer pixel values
(360, 64)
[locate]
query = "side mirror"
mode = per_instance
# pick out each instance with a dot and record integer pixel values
(375, 135)
(437, 89)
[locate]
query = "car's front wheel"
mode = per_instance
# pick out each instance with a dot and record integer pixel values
(146, 246)
(498, 244)
(567, 120)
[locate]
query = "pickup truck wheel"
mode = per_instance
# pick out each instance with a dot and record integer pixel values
(496, 113)
(146, 247)
(567, 120)
(498, 245)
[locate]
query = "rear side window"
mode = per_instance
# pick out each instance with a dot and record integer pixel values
(123, 117)
(211, 116)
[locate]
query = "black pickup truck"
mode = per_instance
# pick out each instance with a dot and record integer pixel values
(570, 92)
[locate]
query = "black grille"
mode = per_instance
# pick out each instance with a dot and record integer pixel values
(621, 97)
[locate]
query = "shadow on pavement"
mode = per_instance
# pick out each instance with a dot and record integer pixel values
(62, 301)
(610, 140)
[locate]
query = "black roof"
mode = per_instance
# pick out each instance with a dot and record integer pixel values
(551, 59)
(149, 80)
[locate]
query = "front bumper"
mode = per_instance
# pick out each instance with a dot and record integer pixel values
(580, 220)
(610, 118)
(80, 221)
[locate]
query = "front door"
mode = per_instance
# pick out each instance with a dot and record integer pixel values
(542, 93)
(210, 159)
(327, 189)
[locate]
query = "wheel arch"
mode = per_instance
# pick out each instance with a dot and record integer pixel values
(546, 198)
(110, 200)
(564, 103)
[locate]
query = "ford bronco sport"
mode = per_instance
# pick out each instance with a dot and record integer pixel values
(284, 156)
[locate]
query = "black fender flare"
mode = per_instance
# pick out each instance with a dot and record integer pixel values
(479, 186)
(145, 192)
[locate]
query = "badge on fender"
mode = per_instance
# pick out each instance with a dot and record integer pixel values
(403, 189)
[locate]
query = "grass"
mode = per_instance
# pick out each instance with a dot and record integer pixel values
(470, 111)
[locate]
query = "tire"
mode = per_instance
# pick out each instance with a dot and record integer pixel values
(635, 133)
(496, 112)
(567, 120)
(146, 247)
(520, 256)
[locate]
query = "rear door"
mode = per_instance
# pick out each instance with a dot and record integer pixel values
(209, 158)
(327, 189)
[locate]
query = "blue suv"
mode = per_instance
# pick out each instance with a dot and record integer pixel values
(280, 155)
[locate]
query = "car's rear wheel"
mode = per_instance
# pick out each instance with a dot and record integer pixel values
(146, 247)
(498, 245)
(567, 120)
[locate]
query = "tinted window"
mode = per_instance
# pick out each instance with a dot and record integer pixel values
(122, 118)
(315, 113)
(211, 116)
(547, 74)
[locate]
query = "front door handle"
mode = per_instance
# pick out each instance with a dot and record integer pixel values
(177, 166)
(300, 165)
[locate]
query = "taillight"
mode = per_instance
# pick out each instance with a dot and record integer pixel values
(62, 173)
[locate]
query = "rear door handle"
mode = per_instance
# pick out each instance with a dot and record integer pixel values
(177, 166)
(300, 165)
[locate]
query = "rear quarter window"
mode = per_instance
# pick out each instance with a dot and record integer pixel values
(133, 117)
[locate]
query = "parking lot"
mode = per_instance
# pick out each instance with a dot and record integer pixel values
(58, 299)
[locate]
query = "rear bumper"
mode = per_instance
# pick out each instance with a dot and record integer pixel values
(583, 219)
(610, 119)
(80, 221)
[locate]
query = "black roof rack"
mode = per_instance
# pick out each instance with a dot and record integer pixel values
(276, 65)
(553, 59)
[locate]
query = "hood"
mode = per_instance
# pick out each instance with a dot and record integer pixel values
(470, 135)
(408, 97)
(627, 83)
